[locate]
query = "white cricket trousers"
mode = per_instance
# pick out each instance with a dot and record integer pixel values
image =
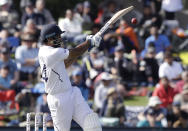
(67, 106)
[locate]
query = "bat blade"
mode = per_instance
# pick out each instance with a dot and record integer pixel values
(114, 18)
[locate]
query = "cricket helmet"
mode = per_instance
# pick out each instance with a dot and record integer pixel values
(53, 32)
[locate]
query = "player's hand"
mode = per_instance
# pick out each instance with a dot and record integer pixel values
(95, 40)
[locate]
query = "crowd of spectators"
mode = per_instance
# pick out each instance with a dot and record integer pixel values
(129, 56)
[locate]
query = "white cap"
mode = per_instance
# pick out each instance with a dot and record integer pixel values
(106, 76)
(153, 101)
(3, 2)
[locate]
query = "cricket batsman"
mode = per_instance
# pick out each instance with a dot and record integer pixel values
(65, 101)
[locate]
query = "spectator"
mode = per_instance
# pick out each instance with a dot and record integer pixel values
(109, 41)
(13, 71)
(165, 92)
(29, 13)
(147, 20)
(8, 17)
(122, 65)
(127, 31)
(88, 62)
(182, 98)
(170, 68)
(181, 83)
(10, 41)
(171, 7)
(72, 24)
(113, 106)
(31, 28)
(153, 114)
(151, 67)
(40, 8)
(109, 11)
(4, 44)
(86, 15)
(78, 81)
(178, 118)
(101, 91)
(161, 42)
(27, 58)
(6, 92)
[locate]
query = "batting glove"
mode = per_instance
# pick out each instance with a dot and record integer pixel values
(94, 40)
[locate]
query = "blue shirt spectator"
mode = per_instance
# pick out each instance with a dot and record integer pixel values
(5, 79)
(27, 58)
(4, 59)
(79, 82)
(161, 42)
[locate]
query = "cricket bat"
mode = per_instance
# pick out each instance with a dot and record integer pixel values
(115, 17)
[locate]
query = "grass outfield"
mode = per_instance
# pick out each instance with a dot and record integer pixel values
(136, 101)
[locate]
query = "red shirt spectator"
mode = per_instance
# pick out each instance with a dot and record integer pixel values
(164, 92)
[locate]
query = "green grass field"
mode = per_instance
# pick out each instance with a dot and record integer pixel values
(136, 101)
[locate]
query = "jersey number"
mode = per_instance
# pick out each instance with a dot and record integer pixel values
(44, 75)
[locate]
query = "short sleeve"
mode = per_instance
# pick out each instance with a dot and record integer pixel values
(57, 54)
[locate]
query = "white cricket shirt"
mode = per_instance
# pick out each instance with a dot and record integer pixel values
(53, 69)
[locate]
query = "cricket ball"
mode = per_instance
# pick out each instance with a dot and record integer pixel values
(134, 21)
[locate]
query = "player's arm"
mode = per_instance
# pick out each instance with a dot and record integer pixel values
(74, 53)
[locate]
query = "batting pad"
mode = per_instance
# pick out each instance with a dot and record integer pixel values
(92, 123)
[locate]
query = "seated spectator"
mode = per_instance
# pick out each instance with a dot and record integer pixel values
(27, 58)
(151, 67)
(73, 27)
(181, 83)
(88, 62)
(109, 10)
(87, 21)
(127, 31)
(170, 68)
(147, 20)
(4, 44)
(138, 73)
(11, 41)
(7, 93)
(160, 41)
(122, 65)
(29, 13)
(113, 106)
(13, 71)
(153, 114)
(182, 98)
(78, 81)
(179, 118)
(31, 28)
(40, 8)
(101, 90)
(8, 17)
(110, 40)
(171, 8)
(165, 92)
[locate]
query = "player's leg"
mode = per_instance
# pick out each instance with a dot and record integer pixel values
(83, 115)
(61, 109)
